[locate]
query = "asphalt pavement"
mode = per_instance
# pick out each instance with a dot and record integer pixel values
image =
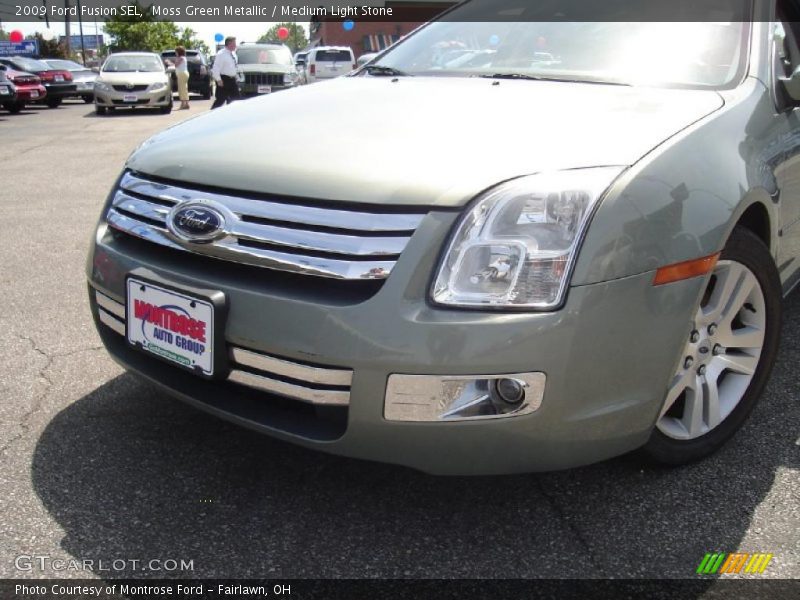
(97, 466)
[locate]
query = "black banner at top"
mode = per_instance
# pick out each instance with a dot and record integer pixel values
(381, 10)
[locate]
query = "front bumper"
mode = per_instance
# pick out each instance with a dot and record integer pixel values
(159, 98)
(57, 90)
(608, 356)
(251, 89)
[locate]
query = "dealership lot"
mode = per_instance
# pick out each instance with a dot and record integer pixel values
(99, 466)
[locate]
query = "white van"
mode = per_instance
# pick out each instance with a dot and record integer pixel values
(327, 62)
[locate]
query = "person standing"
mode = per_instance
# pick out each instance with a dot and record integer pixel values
(182, 73)
(225, 74)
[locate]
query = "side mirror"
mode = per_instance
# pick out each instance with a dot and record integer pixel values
(792, 85)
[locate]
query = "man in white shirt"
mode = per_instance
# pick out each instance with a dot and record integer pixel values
(225, 74)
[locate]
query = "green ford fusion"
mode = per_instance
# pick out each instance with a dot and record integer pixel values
(497, 247)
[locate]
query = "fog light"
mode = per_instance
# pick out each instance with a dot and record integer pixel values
(462, 397)
(510, 391)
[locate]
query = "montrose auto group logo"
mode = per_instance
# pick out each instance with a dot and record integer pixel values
(170, 326)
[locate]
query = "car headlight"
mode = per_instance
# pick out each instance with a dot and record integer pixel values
(515, 247)
(289, 78)
(103, 87)
(154, 87)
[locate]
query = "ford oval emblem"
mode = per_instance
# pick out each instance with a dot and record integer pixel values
(196, 222)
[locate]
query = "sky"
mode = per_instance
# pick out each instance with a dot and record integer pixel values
(247, 31)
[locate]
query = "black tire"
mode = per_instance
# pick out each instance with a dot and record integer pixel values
(207, 93)
(165, 110)
(53, 102)
(747, 249)
(88, 99)
(100, 110)
(14, 107)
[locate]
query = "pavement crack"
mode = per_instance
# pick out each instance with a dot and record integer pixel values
(37, 402)
(573, 529)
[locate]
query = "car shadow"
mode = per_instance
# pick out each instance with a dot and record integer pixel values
(124, 112)
(129, 473)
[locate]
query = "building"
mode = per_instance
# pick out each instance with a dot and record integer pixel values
(372, 35)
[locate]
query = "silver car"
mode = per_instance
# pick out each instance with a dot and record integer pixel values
(133, 79)
(510, 265)
(82, 76)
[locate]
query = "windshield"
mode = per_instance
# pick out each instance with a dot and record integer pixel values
(132, 64)
(264, 56)
(67, 65)
(28, 64)
(704, 55)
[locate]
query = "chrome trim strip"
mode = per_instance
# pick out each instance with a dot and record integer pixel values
(141, 208)
(229, 249)
(296, 392)
(109, 321)
(115, 308)
(318, 375)
(319, 241)
(276, 211)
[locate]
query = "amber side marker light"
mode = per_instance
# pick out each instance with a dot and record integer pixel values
(685, 270)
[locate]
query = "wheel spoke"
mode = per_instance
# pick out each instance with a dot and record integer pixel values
(692, 419)
(744, 288)
(727, 278)
(680, 383)
(738, 363)
(711, 397)
(746, 337)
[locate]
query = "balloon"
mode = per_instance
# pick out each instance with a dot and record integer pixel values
(348, 25)
(15, 37)
(48, 35)
(218, 37)
(283, 33)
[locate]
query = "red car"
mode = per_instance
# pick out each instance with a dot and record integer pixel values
(29, 89)
(57, 82)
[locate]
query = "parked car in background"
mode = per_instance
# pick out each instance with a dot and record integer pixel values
(82, 76)
(199, 72)
(133, 79)
(57, 82)
(265, 68)
(365, 58)
(28, 87)
(8, 92)
(300, 66)
(327, 62)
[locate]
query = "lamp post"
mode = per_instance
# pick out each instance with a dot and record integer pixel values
(80, 29)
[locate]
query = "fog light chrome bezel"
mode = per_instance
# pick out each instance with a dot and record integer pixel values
(454, 398)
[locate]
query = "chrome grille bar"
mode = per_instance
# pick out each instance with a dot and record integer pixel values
(291, 213)
(325, 242)
(317, 385)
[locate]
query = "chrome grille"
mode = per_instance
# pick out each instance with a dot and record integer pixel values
(130, 88)
(317, 385)
(263, 78)
(311, 240)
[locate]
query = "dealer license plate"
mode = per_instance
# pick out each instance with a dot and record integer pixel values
(130, 98)
(3, 90)
(264, 89)
(34, 94)
(172, 325)
(58, 78)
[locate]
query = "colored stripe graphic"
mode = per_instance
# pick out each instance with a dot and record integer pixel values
(723, 563)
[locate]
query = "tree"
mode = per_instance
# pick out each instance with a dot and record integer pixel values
(3, 35)
(51, 48)
(296, 41)
(148, 33)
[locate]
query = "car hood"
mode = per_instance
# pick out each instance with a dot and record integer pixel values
(134, 78)
(416, 141)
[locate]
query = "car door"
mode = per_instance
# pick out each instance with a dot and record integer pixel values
(785, 153)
